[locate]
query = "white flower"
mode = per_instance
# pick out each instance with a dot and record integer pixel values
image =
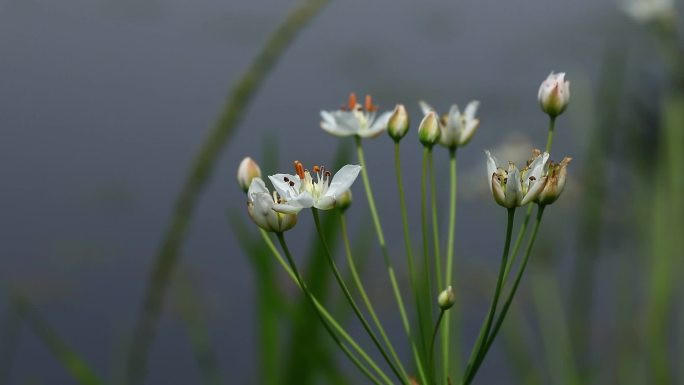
(301, 191)
(456, 128)
(512, 188)
(554, 94)
(644, 11)
(355, 119)
(260, 208)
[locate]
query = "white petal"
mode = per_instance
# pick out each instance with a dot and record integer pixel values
(302, 201)
(378, 126)
(491, 166)
(343, 179)
(425, 107)
(513, 187)
(532, 193)
(256, 187)
(325, 202)
(454, 118)
(468, 131)
(283, 188)
(471, 110)
(538, 166)
(340, 123)
(497, 191)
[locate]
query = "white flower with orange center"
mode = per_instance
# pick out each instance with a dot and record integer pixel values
(303, 190)
(355, 119)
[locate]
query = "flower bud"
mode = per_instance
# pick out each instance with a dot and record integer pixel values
(554, 94)
(247, 171)
(555, 182)
(446, 298)
(344, 201)
(428, 131)
(398, 123)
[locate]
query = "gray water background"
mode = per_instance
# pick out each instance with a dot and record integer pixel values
(105, 103)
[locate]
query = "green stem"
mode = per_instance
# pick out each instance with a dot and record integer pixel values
(424, 231)
(431, 361)
(322, 312)
(549, 138)
(401, 375)
(435, 222)
(364, 294)
(484, 331)
(409, 256)
(383, 246)
(509, 300)
(310, 296)
(450, 258)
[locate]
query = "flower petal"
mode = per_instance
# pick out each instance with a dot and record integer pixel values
(471, 110)
(468, 131)
(284, 188)
(302, 201)
(343, 179)
(513, 187)
(340, 123)
(257, 187)
(534, 191)
(491, 165)
(426, 108)
(378, 126)
(325, 202)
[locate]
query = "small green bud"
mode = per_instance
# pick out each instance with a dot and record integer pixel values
(398, 123)
(428, 131)
(248, 170)
(446, 298)
(344, 201)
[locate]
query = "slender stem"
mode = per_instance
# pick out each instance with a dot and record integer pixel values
(403, 378)
(383, 247)
(507, 304)
(364, 294)
(484, 331)
(549, 138)
(199, 176)
(450, 258)
(435, 222)
(324, 313)
(309, 295)
(424, 230)
(431, 361)
(409, 255)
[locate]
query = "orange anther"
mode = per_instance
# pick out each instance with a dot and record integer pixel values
(352, 101)
(316, 169)
(369, 104)
(299, 169)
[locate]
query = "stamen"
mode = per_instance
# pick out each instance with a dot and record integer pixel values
(286, 179)
(533, 178)
(316, 169)
(352, 101)
(327, 174)
(299, 169)
(292, 184)
(369, 104)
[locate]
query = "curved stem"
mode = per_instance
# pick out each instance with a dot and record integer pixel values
(403, 378)
(383, 247)
(325, 314)
(484, 331)
(409, 257)
(435, 222)
(364, 294)
(507, 304)
(311, 298)
(449, 258)
(431, 353)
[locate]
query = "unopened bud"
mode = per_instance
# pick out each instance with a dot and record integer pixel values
(248, 170)
(446, 298)
(554, 94)
(344, 201)
(398, 123)
(428, 131)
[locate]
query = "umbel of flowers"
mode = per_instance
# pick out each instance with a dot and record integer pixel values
(538, 183)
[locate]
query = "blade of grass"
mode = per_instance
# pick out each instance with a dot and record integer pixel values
(191, 313)
(71, 361)
(204, 164)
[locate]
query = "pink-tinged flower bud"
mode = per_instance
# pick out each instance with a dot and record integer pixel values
(428, 131)
(248, 170)
(554, 94)
(398, 123)
(446, 299)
